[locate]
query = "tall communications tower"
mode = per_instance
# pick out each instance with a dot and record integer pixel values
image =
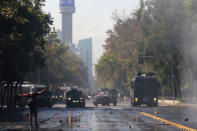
(67, 8)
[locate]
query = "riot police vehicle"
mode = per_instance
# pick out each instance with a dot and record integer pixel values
(106, 97)
(74, 98)
(144, 90)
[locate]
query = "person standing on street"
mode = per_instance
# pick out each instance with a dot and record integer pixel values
(32, 104)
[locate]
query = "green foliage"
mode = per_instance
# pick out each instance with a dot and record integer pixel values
(62, 66)
(164, 29)
(23, 28)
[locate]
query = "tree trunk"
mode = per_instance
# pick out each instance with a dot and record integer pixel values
(15, 97)
(8, 96)
(3, 96)
(11, 96)
(1, 90)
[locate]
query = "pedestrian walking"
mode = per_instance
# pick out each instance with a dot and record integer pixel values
(32, 104)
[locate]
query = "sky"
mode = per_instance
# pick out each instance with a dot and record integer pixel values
(92, 19)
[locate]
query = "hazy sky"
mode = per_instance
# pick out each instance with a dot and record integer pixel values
(92, 19)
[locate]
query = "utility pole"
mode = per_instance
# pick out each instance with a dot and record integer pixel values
(38, 74)
(195, 92)
(173, 91)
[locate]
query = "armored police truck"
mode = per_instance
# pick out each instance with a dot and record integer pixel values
(105, 97)
(144, 90)
(75, 98)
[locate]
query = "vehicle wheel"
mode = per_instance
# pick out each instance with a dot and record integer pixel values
(134, 104)
(155, 105)
(83, 105)
(96, 104)
(68, 105)
(150, 105)
(22, 106)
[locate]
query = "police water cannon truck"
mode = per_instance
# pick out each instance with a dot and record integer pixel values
(145, 90)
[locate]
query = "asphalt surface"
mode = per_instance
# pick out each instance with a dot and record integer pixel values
(103, 118)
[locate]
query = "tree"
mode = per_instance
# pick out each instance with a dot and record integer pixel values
(165, 29)
(23, 28)
(61, 66)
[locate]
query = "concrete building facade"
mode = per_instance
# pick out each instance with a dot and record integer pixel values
(85, 53)
(84, 47)
(67, 8)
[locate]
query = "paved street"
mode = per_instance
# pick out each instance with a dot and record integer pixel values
(121, 117)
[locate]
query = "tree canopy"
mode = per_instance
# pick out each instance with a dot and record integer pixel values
(62, 67)
(23, 30)
(162, 29)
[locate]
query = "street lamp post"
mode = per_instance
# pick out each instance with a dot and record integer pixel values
(194, 92)
(38, 74)
(173, 96)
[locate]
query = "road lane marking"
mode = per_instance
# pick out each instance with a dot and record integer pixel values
(185, 128)
(69, 119)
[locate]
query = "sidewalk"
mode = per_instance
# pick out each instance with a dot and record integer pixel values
(4, 110)
(169, 102)
(176, 103)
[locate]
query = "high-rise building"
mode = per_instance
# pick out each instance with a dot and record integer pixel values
(59, 34)
(67, 8)
(85, 53)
